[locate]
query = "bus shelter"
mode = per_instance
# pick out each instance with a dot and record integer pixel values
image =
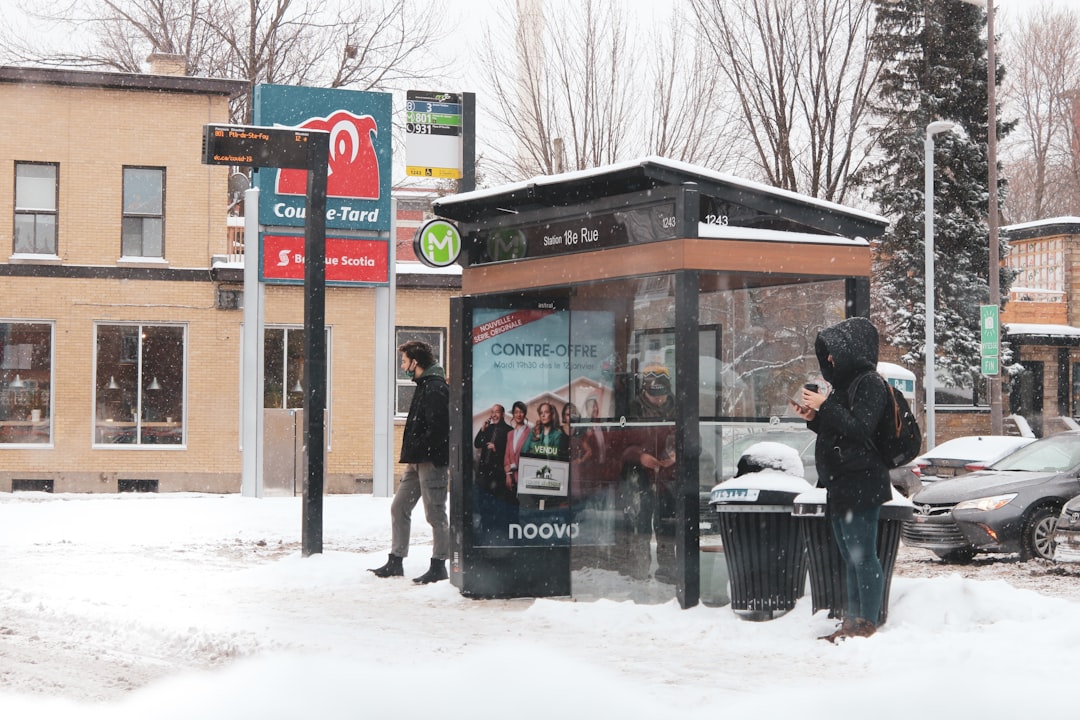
(645, 318)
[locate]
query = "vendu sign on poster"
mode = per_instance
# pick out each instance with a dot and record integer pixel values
(347, 260)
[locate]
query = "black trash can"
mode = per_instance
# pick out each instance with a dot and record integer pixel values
(828, 576)
(763, 543)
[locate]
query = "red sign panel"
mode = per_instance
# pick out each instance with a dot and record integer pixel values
(347, 260)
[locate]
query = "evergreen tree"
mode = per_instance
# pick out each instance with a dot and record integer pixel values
(935, 69)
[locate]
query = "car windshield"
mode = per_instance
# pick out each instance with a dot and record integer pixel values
(1052, 454)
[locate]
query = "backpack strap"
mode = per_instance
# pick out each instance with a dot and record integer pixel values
(889, 400)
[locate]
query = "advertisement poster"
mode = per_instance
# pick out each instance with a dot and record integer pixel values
(540, 365)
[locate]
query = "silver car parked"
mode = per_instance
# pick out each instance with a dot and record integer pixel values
(1013, 506)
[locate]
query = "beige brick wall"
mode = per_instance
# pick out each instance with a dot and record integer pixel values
(93, 133)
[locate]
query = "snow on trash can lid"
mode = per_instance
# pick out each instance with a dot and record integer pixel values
(812, 503)
(767, 455)
(765, 487)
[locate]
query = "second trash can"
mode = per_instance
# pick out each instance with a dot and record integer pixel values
(828, 576)
(763, 544)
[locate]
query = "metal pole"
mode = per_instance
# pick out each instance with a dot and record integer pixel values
(996, 421)
(251, 414)
(315, 343)
(382, 461)
(928, 246)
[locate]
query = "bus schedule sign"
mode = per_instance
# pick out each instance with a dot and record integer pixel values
(257, 146)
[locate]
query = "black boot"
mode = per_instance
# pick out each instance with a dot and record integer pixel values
(435, 573)
(392, 568)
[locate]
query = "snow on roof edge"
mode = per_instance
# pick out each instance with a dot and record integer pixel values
(1041, 329)
(673, 164)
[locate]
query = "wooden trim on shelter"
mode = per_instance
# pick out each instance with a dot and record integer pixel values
(802, 259)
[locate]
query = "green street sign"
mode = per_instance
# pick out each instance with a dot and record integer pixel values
(989, 331)
(990, 366)
(437, 243)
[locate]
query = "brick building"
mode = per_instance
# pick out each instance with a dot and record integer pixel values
(120, 328)
(1042, 322)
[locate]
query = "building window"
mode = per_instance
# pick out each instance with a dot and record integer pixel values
(139, 385)
(143, 233)
(283, 368)
(35, 208)
(25, 383)
(436, 338)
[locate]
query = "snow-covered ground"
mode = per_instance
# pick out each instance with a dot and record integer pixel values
(200, 606)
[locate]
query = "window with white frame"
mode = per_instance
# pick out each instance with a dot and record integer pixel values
(36, 193)
(143, 226)
(436, 338)
(25, 383)
(139, 384)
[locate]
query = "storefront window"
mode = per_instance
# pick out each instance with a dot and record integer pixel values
(25, 383)
(140, 385)
(283, 368)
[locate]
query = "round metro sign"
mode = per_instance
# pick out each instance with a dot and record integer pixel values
(437, 243)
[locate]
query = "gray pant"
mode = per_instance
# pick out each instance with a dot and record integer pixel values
(421, 480)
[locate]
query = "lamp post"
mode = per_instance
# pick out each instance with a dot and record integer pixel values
(993, 382)
(932, 129)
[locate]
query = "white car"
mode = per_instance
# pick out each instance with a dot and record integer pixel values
(964, 454)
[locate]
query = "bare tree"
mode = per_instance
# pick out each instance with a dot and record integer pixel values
(563, 89)
(363, 45)
(687, 119)
(802, 73)
(587, 90)
(1043, 54)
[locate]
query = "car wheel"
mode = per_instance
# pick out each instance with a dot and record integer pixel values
(958, 557)
(1037, 540)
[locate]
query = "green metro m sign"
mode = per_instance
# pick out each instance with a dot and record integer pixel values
(437, 243)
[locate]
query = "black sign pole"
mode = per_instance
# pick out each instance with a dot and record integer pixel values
(468, 143)
(315, 342)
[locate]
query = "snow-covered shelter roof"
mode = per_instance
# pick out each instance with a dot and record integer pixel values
(749, 204)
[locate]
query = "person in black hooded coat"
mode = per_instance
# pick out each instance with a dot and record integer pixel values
(853, 473)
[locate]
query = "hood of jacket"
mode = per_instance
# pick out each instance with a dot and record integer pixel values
(434, 371)
(853, 344)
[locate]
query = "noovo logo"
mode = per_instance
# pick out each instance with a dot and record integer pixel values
(544, 531)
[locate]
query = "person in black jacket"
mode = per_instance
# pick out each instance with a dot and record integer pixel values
(853, 473)
(425, 450)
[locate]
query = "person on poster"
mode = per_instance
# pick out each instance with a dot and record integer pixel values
(649, 498)
(547, 442)
(515, 442)
(425, 450)
(594, 442)
(546, 439)
(574, 447)
(491, 442)
(853, 474)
